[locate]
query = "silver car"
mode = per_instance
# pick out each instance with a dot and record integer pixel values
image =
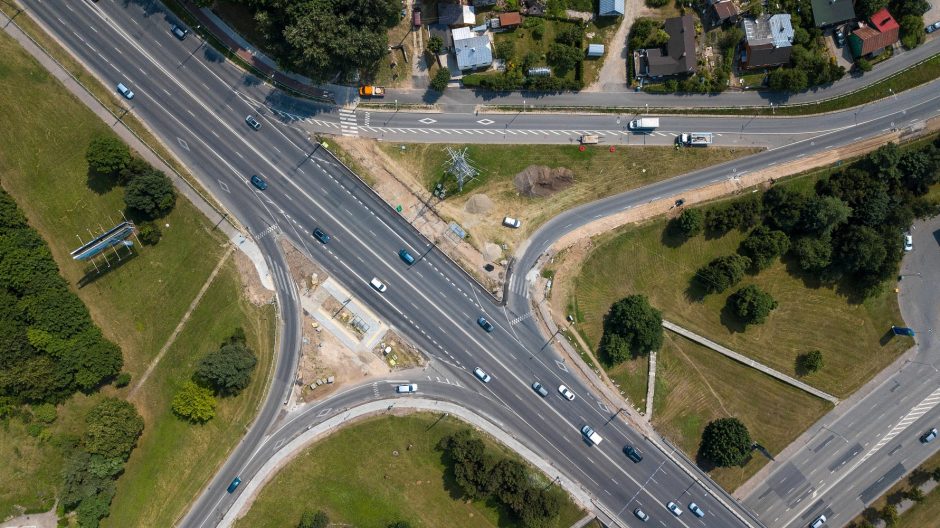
(125, 91)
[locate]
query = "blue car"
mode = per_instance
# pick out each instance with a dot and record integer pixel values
(258, 182)
(407, 257)
(486, 325)
(321, 235)
(234, 484)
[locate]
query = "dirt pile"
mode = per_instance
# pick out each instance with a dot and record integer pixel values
(540, 181)
(479, 204)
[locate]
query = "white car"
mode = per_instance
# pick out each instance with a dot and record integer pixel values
(125, 91)
(821, 520)
(908, 242)
(565, 392)
(410, 387)
(512, 222)
(378, 285)
(484, 377)
(674, 508)
(696, 510)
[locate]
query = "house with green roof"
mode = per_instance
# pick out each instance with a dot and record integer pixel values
(831, 12)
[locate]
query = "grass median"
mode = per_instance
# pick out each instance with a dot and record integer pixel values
(137, 301)
(391, 471)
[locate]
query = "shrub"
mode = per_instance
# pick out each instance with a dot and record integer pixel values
(440, 80)
(194, 403)
(122, 380)
(765, 246)
(690, 223)
(752, 305)
(722, 273)
(809, 362)
(45, 413)
(435, 44)
(149, 233)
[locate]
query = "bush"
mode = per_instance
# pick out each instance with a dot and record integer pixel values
(863, 64)
(149, 233)
(122, 380)
(722, 273)
(912, 31)
(440, 80)
(112, 429)
(752, 305)
(505, 49)
(690, 223)
(45, 413)
(194, 403)
(765, 246)
(563, 58)
(150, 194)
(809, 362)
(571, 35)
(538, 32)
(435, 44)
(656, 3)
(742, 214)
(309, 519)
(725, 442)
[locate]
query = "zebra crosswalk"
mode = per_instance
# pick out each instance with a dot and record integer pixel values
(348, 122)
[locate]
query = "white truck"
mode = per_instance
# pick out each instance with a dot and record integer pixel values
(644, 123)
(695, 139)
(589, 139)
(591, 435)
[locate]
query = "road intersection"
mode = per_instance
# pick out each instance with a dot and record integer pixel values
(195, 102)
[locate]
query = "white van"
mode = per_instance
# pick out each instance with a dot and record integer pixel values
(378, 285)
(591, 435)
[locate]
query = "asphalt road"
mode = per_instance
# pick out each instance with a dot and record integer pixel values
(196, 103)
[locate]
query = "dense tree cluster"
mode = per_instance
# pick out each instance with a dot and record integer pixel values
(112, 429)
(741, 214)
(49, 347)
(323, 38)
(483, 475)
(631, 328)
(722, 273)
(725, 442)
(764, 246)
(148, 193)
(225, 372)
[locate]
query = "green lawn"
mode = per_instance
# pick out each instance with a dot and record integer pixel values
(695, 385)
(137, 302)
(597, 173)
(373, 486)
(524, 42)
(919, 515)
(645, 260)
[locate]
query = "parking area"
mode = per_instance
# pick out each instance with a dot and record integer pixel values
(933, 16)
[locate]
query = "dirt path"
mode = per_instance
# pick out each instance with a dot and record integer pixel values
(182, 323)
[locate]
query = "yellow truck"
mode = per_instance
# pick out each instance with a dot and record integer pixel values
(371, 91)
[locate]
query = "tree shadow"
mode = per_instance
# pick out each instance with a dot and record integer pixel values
(449, 478)
(729, 320)
(695, 291)
(92, 274)
(672, 236)
(919, 477)
(100, 183)
(211, 55)
(896, 497)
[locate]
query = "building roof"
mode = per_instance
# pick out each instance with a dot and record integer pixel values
(611, 8)
(460, 33)
(883, 21)
(763, 55)
(456, 14)
(726, 9)
(510, 19)
(595, 50)
(679, 56)
(774, 29)
(829, 12)
(473, 52)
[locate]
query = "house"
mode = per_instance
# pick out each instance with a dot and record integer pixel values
(456, 15)
(870, 40)
(473, 51)
(768, 41)
(726, 11)
(595, 50)
(678, 57)
(509, 20)
(832, 12)
(611, 8)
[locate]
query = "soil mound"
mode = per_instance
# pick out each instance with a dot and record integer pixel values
(540, 181)
(479, 204)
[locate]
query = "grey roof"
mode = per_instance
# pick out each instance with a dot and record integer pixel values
(473, 53)
(595, 50)
(773, 29)
(828, 12)
(611, 8)
(680, 50)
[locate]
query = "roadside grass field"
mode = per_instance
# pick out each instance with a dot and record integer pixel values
(597, 173)
(137, 302)
(643, 259)
(354, 476)
(918, 515)
(695, 385)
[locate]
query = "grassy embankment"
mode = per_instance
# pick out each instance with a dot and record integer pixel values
(375, 487)
(137, 303)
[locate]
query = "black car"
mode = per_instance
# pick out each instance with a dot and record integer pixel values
(178, 31)
(929, 436)
(486, 325)
(632, 454)
(320, 235)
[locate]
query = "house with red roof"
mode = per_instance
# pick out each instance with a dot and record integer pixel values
(872, 39)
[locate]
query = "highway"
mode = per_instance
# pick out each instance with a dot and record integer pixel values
(196, 103)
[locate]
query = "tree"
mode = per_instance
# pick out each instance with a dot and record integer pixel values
(106, 154)
(725, 442)
(889, 514)
(784, 207)
(809, 362)
(822, 214)
(867, 8)
(764, 246)
(788, 80)
(440, 80)
(510, 480)
(505, 50)
(471, 466)
(752, 305)
(435, 44)
(92, 510)
(228, 369)
(861, 249)
(539, 508)
(915, 494)
(638, 326)
(194, 403)
(151, 194)
(135, 168)
(149, 233)
(902, 8)
(863, 64)
(813, 254)
(742, 214)
(571, 35)
(563, 58)
(318, 519)
(912, 31)
(691, 222)
(112, 428)
(722, 273)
